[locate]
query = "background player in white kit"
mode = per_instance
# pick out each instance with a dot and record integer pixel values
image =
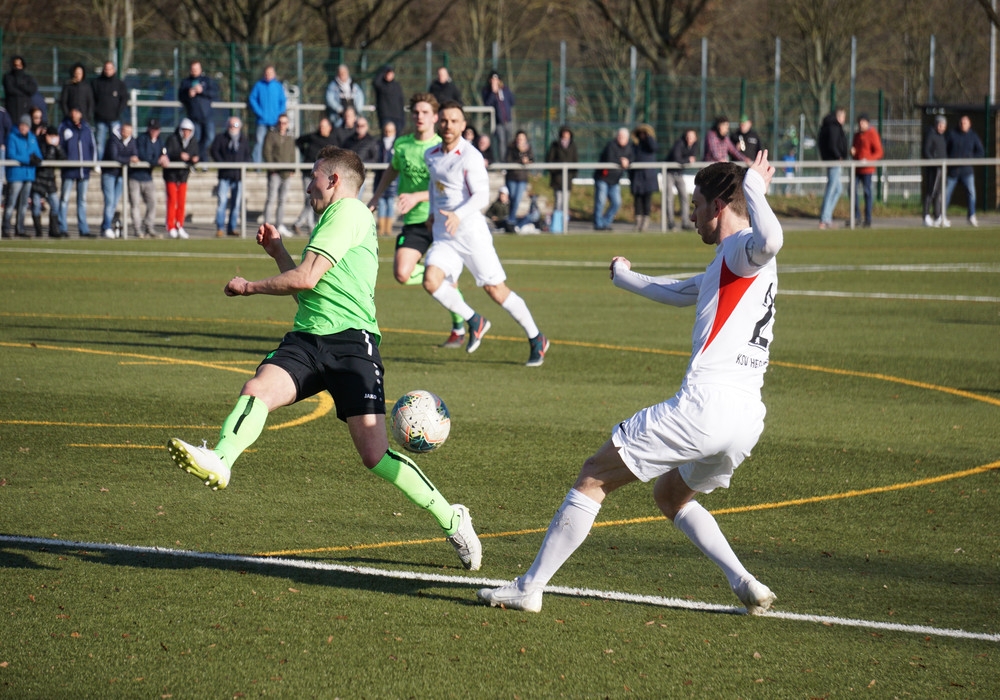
(693, 442)
(459, 191)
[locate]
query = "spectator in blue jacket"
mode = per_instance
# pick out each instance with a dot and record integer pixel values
(341, 93)
(121, 148)
(151, 148)
(501, 99)
(267, 102)
(77, 139)
(963, 143)
(197, 92)
(22, 146)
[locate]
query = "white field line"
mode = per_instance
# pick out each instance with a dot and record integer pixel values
(474, 581)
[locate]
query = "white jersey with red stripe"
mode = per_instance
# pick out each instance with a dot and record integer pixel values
(458, 183)
(734, 321)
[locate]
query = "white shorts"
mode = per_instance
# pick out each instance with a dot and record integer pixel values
(473, 250)
(704, 431)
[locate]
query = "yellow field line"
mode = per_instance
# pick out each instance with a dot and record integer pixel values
(655, 518)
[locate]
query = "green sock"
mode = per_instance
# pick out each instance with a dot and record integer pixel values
(457, 322)
(407, 477)
(241, 428)
(417, 277)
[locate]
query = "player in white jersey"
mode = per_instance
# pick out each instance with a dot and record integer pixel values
(459, 191)
(693, 442)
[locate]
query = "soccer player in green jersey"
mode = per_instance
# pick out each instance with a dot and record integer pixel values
(408, 164)
(333, 346)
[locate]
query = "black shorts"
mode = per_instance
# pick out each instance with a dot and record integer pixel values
(346, 364)
(416, 236)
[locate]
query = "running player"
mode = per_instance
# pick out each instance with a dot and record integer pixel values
(459, 191)
(333, 346)
(693, 442)
(408, 164)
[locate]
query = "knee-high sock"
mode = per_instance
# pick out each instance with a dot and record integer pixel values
(241, 428)
(450, 298)
(515, 306)
(417, 276)
(567, 531)
(702, 529)
(407, 477)
(457, 322)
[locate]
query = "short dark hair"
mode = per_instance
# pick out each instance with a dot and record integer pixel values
(723, 181)
(452, 104)
(424, 97)
(347, 163)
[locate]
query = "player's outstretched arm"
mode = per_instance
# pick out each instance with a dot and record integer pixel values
(767, 234)
(664, 290)
(762, 167)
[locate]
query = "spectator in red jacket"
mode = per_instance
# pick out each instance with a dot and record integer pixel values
(867, 147)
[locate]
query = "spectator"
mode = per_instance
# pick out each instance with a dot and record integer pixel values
(963, 143)
(643, 181)
(501, 99)
(197, 92)
(746, 140)
(182, 147)
(386, 208)
(684, 152)
(151, 147)
(832, 143)
(18, 88)
(341, 93)
(45, 184)
(121, 148)
(110, 99)
(22, 146)
(279, 147)
(390, 104)
(519, 153)
(39, 124)
(607, 181)
(470, 134)
(230, 147)
(309, 146)
(77, 140)
(76, 92)
(499, 211)
(867, 148)
(562, 150)
(791, 157)
(443, 89)
(485, 147)
(267, 102)
(346, 129)
(6, 127)
(362, 142)
(718, 147)
(934, 147)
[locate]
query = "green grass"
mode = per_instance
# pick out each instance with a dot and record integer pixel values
(108, 352)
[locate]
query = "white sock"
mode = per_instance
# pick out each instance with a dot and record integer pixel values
(515, 306)
(448, 296)
(569, 528)
(702, 529)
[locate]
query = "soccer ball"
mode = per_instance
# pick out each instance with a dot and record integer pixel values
(420, 421)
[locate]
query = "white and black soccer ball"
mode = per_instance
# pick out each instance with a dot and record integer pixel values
(420, 421)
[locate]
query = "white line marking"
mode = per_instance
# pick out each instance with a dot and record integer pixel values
(659, 601)
(885, 295)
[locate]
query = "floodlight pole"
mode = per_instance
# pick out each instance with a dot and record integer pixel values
(930, 80)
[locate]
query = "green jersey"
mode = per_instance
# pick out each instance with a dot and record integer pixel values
(408, 161)
(344, 297)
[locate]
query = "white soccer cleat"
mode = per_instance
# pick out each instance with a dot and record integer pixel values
(754, 595)
(181, 233)
(200, 461)
(511, 597)
(928, 221)
(465, 541)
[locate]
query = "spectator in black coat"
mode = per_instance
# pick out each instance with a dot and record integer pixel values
(309, 146)
(76, 92)
(121, 148)
(963, 142)
(230, 147)
(18, 89)
(607, 181)
(684, 152)
(562, 150)
(197, 92)
(110, 98)
(935, 147)
(832, 144)
(390, 103)
(45, 186)
(444, 89)
(643, 181)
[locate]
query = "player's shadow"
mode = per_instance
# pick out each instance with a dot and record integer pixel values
(254, 345)
(189, 561)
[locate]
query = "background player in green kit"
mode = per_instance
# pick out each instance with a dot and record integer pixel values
(408, 164)
(333, 346)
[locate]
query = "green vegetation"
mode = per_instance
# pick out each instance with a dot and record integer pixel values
(110, 348)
